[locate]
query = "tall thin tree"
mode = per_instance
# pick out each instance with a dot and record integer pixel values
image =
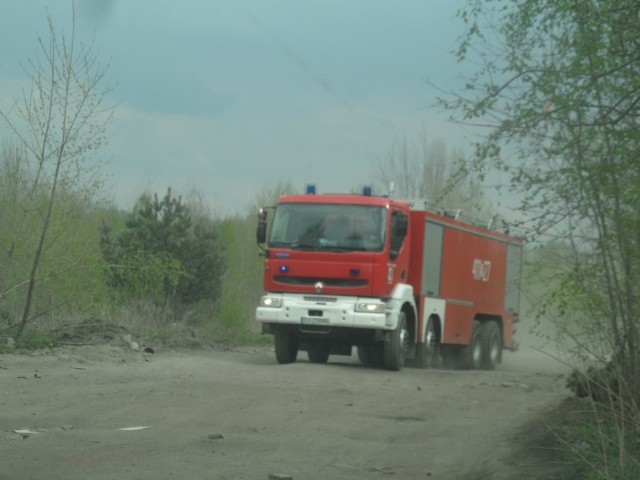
(60, 121)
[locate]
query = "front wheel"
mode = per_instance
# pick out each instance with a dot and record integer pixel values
(318, 353)
(397, 345)
(428, 353)
(286, 344)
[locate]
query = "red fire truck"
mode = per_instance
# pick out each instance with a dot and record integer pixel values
(400, 283)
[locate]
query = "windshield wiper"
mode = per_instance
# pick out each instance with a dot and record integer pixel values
(344, 249)
(302, 246)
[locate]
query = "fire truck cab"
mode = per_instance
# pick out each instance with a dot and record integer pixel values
(401, 284)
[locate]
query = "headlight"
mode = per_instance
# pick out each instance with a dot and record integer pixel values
(372, 307)
(273, 302)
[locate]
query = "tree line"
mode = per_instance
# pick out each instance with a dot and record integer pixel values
(555, 89)
(64, 253)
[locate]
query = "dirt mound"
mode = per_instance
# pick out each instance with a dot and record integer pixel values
(93, 331)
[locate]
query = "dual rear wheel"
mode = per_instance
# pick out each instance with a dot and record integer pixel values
(491, 345)
(428, 353)
(484, 351)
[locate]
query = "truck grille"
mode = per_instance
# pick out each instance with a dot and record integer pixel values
(309, 298)
(330, 282)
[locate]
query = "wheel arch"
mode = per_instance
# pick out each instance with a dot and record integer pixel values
(402, 300)
(437, 322)
(433, 308)
(412, 320)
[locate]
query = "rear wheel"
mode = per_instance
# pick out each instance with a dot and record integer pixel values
(397, 345)
(471, 354)
(428, 353)
(491, 341)
(371, 355)
(318, 353)
(286, 344)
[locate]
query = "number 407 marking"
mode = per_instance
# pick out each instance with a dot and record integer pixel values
(481, 270)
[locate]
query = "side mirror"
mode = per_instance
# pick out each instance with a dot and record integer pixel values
(402, 226)
(261, 231)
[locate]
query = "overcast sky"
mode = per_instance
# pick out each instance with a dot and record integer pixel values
(229, 95)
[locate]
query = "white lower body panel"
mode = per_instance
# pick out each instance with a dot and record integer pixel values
(334, 312)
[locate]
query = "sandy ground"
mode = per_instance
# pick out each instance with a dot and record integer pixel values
(208, 414)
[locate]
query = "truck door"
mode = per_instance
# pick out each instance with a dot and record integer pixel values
(398, 248)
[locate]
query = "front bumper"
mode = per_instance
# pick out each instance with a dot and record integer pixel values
(319, 310)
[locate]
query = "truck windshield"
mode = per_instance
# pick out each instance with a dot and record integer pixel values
(329, 227)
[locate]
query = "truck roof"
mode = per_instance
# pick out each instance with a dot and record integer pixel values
(452, 217)
(354, 199)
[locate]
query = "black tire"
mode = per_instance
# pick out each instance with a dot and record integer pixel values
(286, 344)
(491, 341)
(471, 354)
(371, 355)
(377, 353)
(397, 345)
(428, 353)
(318, 353)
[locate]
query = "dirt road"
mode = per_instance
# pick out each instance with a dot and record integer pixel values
(107, 413)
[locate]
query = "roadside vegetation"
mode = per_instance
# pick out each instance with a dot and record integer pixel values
(557, 91)
(555, 95)
(164, 270)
